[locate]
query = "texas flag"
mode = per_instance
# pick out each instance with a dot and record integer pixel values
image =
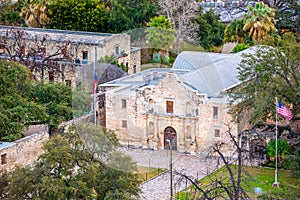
(95, 81)
(284, 111)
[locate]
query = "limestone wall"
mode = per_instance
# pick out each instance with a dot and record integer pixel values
(23, 152)
(144, 118)
(135, 61)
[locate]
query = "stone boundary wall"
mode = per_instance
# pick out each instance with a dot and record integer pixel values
(23, 152)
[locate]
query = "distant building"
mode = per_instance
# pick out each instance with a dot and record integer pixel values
(184, 103)
(86, 48)
(25, 151)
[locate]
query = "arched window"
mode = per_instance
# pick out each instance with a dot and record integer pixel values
(188, 132)
(151, 105)
(188, 109)
(151, 128)
(117, 50)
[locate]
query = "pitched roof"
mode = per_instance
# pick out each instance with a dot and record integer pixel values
(88, 38)
(208, 73)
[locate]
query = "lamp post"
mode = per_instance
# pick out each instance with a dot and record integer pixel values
(171, 188)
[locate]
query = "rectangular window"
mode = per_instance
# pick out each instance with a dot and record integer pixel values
(124, 123)
(23, 50)
(196, 112)
(2, 49)
(84, 55)
(123, 103)
(170, 106)
(3, 159)
(51, 76)
(217, 133)
(215, 112)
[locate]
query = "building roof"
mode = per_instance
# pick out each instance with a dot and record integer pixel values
(206, 72)
(80, 37)
(4, 145)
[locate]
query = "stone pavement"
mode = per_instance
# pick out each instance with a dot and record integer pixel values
(158, 188)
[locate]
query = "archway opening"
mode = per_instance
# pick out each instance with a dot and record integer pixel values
(170, 133)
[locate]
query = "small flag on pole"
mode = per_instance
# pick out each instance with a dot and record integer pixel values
(95, 81)
(284, 111)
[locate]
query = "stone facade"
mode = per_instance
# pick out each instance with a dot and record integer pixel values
(141, 118)
(22, 152)
(80, 49)
(135, 61)
(184, 104)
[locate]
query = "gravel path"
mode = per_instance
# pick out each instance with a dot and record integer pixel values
(159, 187)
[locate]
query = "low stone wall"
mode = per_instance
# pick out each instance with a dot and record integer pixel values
(22, 152)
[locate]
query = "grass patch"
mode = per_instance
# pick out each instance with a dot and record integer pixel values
(252, 177)
(146, 173)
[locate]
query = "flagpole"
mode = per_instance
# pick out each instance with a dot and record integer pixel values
(275, 184)
(95, 85)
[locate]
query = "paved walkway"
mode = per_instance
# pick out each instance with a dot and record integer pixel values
(159, 187)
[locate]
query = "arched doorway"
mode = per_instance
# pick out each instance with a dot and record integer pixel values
(170, 133)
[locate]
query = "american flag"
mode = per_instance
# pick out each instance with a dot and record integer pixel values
(284, 111)
(95, 81)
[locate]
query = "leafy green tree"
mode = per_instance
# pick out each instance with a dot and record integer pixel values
(124, 15)
(161, 34)
(268, 72)
(292, 162)
(211, 31)
(57, 99)
(10, 14)
(16, 108)
(24, 103)
(234, 32)
(73, 168)
(283, 149)
(287, 14)
(77, 15)
(260, 21)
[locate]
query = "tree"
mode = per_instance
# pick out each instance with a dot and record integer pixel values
(224, 187)
(268, 72)
(70, 170)
(17, 110)
(126, 15)
(260, 21)
(160, 35)
(24, 103)
(283, 149)
(35, 12)
(211, 31)
(9, 14)
(77, 15)
(57, 100)
(180, 13)
(287, 14)
(234, 32)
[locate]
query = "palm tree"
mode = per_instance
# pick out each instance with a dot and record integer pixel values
(260, 21)
(35, 13)
(234, 32)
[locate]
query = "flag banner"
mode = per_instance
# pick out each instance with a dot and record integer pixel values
(284, 111)
(95, 81)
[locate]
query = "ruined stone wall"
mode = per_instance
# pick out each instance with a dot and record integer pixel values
(135, 61)
(25, 151)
